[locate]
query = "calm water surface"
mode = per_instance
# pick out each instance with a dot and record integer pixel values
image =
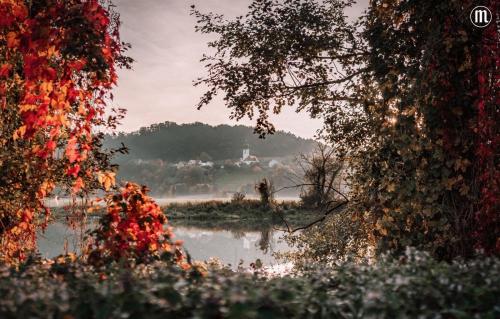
(202, 243)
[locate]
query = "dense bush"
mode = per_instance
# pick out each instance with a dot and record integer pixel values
(134, 227)
(414, 286)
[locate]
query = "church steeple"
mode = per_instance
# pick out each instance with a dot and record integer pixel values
(246, 152)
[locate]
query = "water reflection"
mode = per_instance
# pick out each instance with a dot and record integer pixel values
(59, 237)
(202, 243)
(231, 247)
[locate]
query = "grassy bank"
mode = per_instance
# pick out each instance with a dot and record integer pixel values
(246, 213)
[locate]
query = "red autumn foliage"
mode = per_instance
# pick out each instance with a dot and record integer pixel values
(134, 228)
(487, 216)
(58, 61)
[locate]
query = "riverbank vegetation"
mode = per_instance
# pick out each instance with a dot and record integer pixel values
(247, 209)
(244, 215)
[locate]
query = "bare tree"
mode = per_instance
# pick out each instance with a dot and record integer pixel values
(318, 181)
(321, 171)
(318, 178)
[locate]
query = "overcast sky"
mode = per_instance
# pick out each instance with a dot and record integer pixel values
(167, 53)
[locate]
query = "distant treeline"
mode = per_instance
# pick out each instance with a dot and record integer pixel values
(171, 142)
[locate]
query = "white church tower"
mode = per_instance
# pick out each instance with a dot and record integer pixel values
(246, 152)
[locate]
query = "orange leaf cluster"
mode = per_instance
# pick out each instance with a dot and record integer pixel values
(134, 228)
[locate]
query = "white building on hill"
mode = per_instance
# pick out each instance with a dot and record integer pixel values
(246, 158)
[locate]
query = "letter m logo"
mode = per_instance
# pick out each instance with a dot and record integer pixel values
(481, 16)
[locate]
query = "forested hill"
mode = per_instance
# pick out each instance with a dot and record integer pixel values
(173, 142)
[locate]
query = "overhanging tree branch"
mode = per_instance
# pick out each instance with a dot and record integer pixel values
(325, 83)
(317, 221)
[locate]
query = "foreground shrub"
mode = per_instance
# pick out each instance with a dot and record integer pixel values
(134, 228)
(415, 286)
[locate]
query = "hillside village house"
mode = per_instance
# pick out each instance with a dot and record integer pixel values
(246, 159)
(192, 163)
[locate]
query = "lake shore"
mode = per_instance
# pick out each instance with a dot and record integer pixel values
(164, 201)
(247, 214)
(246, 211)
(231, 230)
